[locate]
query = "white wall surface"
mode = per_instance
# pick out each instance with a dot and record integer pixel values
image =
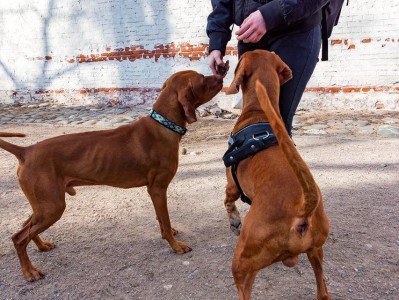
(121, 51)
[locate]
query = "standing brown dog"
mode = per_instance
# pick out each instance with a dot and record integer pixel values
(287, 216)
(144, 153)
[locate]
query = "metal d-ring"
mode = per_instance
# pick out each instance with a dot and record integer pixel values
(261, 137)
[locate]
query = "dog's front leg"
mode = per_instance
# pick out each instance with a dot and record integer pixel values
(159, 200)
(232, 194)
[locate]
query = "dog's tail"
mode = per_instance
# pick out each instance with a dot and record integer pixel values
(18, 151)
(292, 155)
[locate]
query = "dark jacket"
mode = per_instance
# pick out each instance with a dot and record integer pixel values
(281, 17)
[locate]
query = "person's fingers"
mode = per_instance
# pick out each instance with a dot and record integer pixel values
(213, 69)
(252, 29)
(212, 64)
(243, 28)
(253, 38)
(245, 35)
(219, 61)
(215, 59)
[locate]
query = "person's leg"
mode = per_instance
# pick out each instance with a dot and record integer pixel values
(300, 52)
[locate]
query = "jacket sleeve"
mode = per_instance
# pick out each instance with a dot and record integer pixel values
(282, 13)
(219, 23)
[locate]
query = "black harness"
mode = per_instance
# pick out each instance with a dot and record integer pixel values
(245, 143)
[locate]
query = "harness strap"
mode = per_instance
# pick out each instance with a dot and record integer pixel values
(246, 143)
(244, 198)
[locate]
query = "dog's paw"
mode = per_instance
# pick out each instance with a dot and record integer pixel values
(33, 274)
(182, 248)
(46, 246)
(235, 226)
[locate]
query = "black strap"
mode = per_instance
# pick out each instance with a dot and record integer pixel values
(244, 197)
(324, 35)
(246, 143)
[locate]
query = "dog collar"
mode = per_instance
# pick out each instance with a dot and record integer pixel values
(167, 123)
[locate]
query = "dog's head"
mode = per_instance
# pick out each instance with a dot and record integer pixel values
(262, 65)
(192, 89)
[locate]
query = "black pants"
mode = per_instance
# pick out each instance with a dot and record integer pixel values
(300, 52)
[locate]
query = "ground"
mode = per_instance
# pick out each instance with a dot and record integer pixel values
(109, 245)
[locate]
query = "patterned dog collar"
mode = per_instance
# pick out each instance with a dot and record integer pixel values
(168, 124)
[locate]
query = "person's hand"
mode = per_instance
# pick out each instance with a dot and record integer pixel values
(216, 63)
(252, 29)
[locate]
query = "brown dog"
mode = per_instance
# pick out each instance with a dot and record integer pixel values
(287, 216)
(144, 153)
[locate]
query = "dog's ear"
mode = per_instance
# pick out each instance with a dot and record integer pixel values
(234, 87)
(284, 73)
(185, 97)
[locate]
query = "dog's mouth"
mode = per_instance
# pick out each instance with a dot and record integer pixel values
(218, 83)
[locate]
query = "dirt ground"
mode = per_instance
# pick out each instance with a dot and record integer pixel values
(109, 245)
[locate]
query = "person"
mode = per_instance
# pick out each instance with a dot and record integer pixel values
(290, 28)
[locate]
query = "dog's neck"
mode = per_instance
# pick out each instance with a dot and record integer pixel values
(249, 117)
(252, 111)
(171, 109)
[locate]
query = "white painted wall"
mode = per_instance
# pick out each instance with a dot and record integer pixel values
(43, 44)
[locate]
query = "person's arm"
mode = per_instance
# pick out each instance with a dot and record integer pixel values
(280, 13)
(219, 23)
(219, 32)
(275, 15)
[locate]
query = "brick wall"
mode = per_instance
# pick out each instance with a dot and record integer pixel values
(121, 51)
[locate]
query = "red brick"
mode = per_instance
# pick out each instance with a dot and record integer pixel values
(350, 89)
(366, 89)
(336, 42)
(381, 88)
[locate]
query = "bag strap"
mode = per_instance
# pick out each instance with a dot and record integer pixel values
(324, 35)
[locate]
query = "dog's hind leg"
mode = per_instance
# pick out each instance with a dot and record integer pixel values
(244, 283)
(159, 200)
(246, 265)
(232, 194)
(48, 205)
(253, 252)
(41, 244)
(315, 257)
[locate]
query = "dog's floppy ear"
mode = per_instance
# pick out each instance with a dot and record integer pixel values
(284, 73)
(185, 97)
(234, 87)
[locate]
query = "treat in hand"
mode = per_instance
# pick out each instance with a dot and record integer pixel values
(222, 69)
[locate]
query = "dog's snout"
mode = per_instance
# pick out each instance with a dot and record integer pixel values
(219, 78)
(214, 81)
